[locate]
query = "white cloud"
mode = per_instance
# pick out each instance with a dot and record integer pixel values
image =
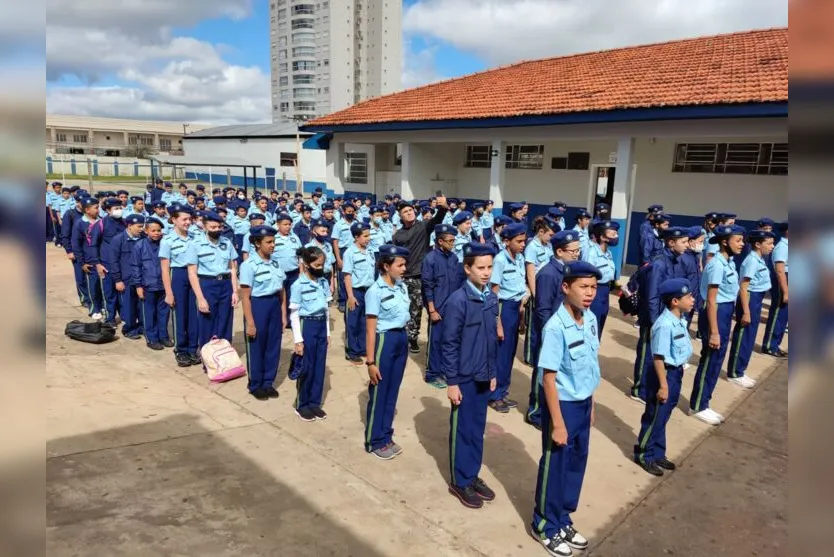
(506, 31)
(418, 65)
(165, 77)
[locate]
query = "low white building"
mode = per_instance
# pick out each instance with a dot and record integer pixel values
(696, 125)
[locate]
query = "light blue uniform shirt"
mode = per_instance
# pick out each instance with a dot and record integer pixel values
(174, 248)
(360, 265)
(342, 234)
(487, 221)
(602, 260)
(448, 218)
(537, 253)
(460, 241)
(396, 220)
(242, 227)
(211, 258)
(478, 226)
(722, 273)
(316, 209)
(50, 198)
(169, 198)
(572, 352)
(510, 276)
(780, 254)
(377, 239)
(670, 339)
(387, 230)
(329, 256)
(754, 268)
(295, 216)
(265, 278)
(584, 239)
(310, 297)
(285, 251)
(709, 249)
(65, 205)
(364, 212)
(388, 303)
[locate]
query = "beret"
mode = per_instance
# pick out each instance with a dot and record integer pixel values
(563, 238)
(513, 230)
(320, 222)
(583, 214)
(110, 203)
(502, 220)
(280, 217)
(661, 217)
(57, 184)
(725, 231)
(674, 232)
(476, 249)
(760, 235)
(306, 208)
(136, 198)
(392, 250)
(765, 221)
(358, 228)
(556, 211)
(441, 229)
(516, 207)
(602, 207)
(212, 216)
(655, 208)
(674, 288)
(180, 208)
(695, 232)
(135, 218)
(462, 217)
(89, 201)
(581, 269)
(261, 231)
(255, 216)
(606, 225)
(327, 206)
(153, 220)
(219, 200)
(159, 205)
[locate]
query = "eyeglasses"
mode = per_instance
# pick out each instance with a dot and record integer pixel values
(572, 251)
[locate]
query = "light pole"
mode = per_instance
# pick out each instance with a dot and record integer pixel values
(299, 183)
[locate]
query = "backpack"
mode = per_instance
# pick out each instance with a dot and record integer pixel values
(94, 333)
(221, 361)
(630, 297)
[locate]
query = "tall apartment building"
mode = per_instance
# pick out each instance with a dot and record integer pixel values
(329, 55)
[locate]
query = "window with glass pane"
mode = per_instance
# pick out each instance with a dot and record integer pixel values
(303, 24)
(357, 168)
(732, 158)
(303, 65)
(478, 156)
(303, 51)
(527, 157)
(284, 80)
(288, 159)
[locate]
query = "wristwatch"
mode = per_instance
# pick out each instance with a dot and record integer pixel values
(369, 364)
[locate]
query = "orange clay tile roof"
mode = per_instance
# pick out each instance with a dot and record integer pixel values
(748, 67)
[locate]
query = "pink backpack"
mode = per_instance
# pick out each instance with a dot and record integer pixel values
(221, 361)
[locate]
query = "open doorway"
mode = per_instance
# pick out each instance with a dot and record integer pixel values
(604, 185)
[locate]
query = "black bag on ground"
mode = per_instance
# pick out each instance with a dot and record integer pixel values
(94, 333)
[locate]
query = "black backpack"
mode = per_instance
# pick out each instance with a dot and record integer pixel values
(94, 333)
(630, 303)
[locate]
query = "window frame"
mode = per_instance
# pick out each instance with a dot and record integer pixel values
(288, 159)
(739, 158)
(524, 156)
(357, 168)
(474, 156)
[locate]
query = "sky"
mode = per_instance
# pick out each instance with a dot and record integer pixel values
(207, 61)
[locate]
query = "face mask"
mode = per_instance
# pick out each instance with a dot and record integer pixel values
(116, 213)
(349, 216)
(321, 238)
(215, 235)
(241, 196)
(613, 242)
(316, 273)
(698, 248)
(378, 220)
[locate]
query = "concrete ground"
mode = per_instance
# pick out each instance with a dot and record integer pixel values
(144, 458)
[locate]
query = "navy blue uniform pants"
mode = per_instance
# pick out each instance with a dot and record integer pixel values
(355, 326)
(155, 314)
(435, 333)
(291, 277)
(310, 386)
(218, 321)
(391, 355)
(186, 321)
(643, 361)
(709, 366)
(561, 469)
(509, 316)
(600, 307)
(50, 226)
(340, 278)
(651, 441)
(111, 298)
(81, 284)
(777, 319)
(131, 312)
(528, 355)
(466, 433)
(264, 349)
(94, 291)
(744, 338)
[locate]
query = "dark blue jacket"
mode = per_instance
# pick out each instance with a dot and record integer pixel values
(78, 242)
(441, 274)
(645, 230)
(469, 343)
(156, 194)
(690, 261)
(71, 216)
(664, 266)
(302, 231)
(147, 271)
(228, 232)
(650, 246)
(548, 292)
(102, 236)
(121, 258)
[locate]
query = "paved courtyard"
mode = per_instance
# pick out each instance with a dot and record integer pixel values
(145, 458)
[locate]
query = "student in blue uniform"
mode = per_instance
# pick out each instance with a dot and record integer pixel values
(537, 254)
(86, 255)
(764, 224)
(754, 284)
(212, 272)
(652, 243)
(378, 238)
(102, 237)
(777, 319)
(264, 314)
(719, 289)
(691, 260)
(463, 223)
(583, 222)
(508, 282)
(494, 236)
(515, 210)
(565, 244)
(321, 239)
(124, 277)
(671, 349)
(387, 308)
(68, 222)
(477, 232)
(441, 274)
(569, 374)
(147, 274)
(469, 344)
(359, 276)
(287, 245)
(342, 240)
(646, 226)
(487, 218)
(302, 227)
(160, 212)
(606, 235)
(602, 211)
(557, 212)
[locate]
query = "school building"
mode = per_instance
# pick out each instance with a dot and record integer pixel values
(696, 125)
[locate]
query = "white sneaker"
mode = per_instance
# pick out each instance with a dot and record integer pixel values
(740, 381)
(637, 399)
(750, 381)
(686, 366)
(96, 316)
(720, 417)
(707, 416)
(555, 546)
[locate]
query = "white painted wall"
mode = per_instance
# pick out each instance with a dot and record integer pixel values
(434, 166)
(371, 153)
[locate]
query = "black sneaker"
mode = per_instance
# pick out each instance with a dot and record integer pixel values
(183, 360)
(305, 414)
(665, 463)
(355, 360)
(413, 347)
(510, 403)
(651, 468)
(271, 392)
(573, 538)
(467, 496)
(133, 336)
(319, 413)
(499, 406)
(555, 546)
(167, 343)
(483, 490)
(195, 359)
(532, 423)
(260, 394)
(155, 346)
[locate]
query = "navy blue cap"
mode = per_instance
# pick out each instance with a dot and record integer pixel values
(255, 216)
(66, 189)
(262, 231)
(765, 221)
(366, 220)
(478, 205)
(135, 218)
(759, 235)
(502, 220)
(88, 201)
(56, 184)
(396, 196)
(674, 232)
(476, 249)
(727, 216)
(198, 214)
(110, 203)
(387, 196)
(316, 193)
(555, 212)
(282, 217)
(75, 188)
(581, 269)
(552, 224)
(655, 208)
(661, 217)
(219, 200)
(516, 207)
(489, 202)
(358, 228)
(377, 208)
(306, 208)
(282, 200)
(696, 232)
(674, 288)
(583, 214)
(513, 230)
(100, 195)
(168, 185)
(200, 187)
(560, 205)
(563, 238)
(392, 250)
(441, 229)
(120, 192)
(136, 198)
(154, 220)
(212, 216)
(602, 207)
(327, 206)
(724, 231)
(318, 189)
(159, 205)
(461, 217)
(606, 225)
(221, 210)
(181, 208)
(320, 222)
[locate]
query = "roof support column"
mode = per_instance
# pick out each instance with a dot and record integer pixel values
(335, 157)
(405, 170)
(497, 174)
(621, 201)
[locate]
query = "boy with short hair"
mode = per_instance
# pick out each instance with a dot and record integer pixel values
(147, 276)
